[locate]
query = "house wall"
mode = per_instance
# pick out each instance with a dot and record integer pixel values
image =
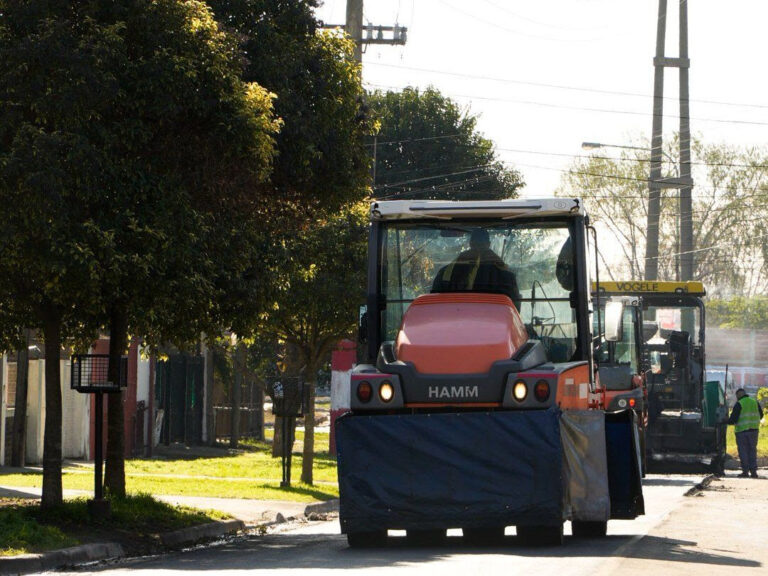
(35, 412)
(138, 380)
(75, 416)
(3, 405)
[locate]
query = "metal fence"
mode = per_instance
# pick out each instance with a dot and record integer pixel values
(250, 422)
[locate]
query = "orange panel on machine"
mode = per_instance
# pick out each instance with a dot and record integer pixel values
(573, 388)
(459, 333)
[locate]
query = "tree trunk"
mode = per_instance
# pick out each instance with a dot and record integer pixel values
(114, 471)
(238, 364)
(308, 457)
(18, 438)
(52, 492)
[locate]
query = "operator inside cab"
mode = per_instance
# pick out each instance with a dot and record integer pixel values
(478, 269)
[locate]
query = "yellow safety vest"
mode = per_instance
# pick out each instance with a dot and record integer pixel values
(749, 417)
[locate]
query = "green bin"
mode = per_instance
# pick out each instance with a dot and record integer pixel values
(713, 397)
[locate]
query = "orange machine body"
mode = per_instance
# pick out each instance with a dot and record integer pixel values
(433, 340)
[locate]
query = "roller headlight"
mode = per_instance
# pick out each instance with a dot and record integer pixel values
(386, 391)
(622, 403)
(520, 390)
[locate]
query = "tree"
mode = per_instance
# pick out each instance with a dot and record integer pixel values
(429, 148)
(321, 284)
(131, 147)
(729, 213)
(738, 312)
(322, 162)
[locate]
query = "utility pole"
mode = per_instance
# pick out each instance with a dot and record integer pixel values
(389, 35)
(374, 34)
(686, 191)
(684, 182)
(354, 26)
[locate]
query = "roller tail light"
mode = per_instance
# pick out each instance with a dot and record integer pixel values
(375, 391)
(530, 390)
(364, 391)
(541, 391)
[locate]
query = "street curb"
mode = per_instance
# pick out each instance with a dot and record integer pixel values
(29, 563)
(201, 532)
(321, 508)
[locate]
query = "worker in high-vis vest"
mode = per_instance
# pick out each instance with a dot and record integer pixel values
(745, 417)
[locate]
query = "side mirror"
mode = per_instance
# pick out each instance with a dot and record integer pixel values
(614, 320)
(362, 324)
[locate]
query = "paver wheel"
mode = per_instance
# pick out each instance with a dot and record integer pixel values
(374, 539)
(588, 529)
(541, 535)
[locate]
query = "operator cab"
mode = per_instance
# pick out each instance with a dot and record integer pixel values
(516, 253)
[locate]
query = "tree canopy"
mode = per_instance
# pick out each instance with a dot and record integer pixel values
(738, 312)
(321, 283)
(729, 212)
(130, 148)
(428, 147)
(321, 161)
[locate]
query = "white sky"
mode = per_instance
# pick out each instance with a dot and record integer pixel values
(498, 53)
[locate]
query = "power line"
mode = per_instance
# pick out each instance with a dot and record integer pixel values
(616, 177)
(565, 155)
(705, 249)
(406, 141)
(539, 23)
(414, 180)
(560, 86)
(584, 108)
(512, 30)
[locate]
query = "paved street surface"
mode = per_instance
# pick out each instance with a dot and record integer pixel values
(722, 529)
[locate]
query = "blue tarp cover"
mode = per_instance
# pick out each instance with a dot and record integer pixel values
(450, 470)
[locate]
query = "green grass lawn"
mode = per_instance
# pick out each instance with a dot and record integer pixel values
(25, 527)
(20, 532)
(252, 473)
(762, 442)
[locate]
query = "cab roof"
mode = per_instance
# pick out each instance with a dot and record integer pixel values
(501, 209)
(641, 287)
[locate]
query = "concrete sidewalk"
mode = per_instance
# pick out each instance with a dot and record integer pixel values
(722, 529)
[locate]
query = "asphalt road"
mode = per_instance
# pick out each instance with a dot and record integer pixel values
(317, 548)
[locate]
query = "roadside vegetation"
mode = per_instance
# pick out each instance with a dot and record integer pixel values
(26, 528)
(762, 443)
(251, 473)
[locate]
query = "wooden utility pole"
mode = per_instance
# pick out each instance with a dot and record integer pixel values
(354, 26)
(656, 182)
(374, 34)
(686, 190)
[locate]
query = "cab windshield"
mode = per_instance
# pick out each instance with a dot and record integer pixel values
(618, 361)
(531, 262)
(670, 320)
